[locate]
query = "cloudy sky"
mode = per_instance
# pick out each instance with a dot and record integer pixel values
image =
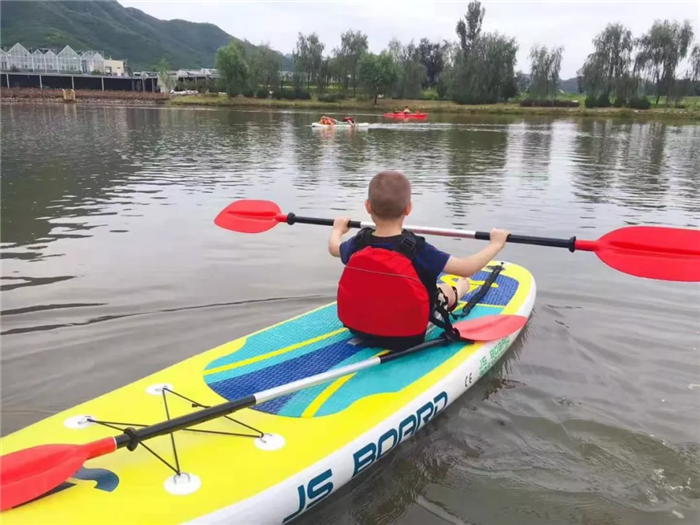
(567, 23)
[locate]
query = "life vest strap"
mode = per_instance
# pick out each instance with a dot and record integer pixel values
(407, 246)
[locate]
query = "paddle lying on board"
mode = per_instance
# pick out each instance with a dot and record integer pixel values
(32, 472)
(654, 252)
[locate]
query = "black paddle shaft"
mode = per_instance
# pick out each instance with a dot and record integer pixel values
(131, 437)
(293, 219)
(569, 243)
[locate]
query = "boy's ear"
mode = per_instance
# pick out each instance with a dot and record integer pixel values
(408, 208)
(368, 207)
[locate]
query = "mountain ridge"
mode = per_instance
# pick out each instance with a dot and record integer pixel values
(117, 31)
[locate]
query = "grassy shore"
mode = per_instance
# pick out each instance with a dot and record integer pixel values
(690, 111)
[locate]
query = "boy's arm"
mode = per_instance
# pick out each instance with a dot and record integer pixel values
(340, 228)
(464, 267)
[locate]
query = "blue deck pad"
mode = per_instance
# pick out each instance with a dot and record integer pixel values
(296, 331)
(279, 373)
(333, 351)
(395, 375)
(500, 293)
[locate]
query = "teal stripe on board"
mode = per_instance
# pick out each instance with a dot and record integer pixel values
(302, 399)
(296, 331)
(275, 360)
(391, 377)
(394, 376)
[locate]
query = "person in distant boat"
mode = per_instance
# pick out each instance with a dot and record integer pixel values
(349, 120)
(328, 121)
(389, 292)
(406, 110)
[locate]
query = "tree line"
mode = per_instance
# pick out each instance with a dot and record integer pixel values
(477, 68)
(624, 67)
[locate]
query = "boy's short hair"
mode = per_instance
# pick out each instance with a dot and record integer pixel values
(389, 194)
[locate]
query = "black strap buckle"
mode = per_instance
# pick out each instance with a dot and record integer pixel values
(408, 247)
(440, 317)
(363, 239)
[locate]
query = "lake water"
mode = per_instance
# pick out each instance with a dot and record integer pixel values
(112, 269)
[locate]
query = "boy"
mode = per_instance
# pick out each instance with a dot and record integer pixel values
(388, 291)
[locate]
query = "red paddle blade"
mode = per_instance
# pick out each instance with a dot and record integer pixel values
(29, 473)
(654, 252)
(490, 327)
(250, 216)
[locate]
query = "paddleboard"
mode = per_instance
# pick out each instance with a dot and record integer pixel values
(340, 125)
(289, 453)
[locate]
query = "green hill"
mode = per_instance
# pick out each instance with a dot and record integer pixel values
(569, 85)
(118, 31)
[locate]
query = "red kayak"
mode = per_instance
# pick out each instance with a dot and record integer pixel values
(401, 114)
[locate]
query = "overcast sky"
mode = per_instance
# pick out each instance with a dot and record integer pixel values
(571, 24)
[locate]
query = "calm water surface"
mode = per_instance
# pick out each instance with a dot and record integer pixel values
(112, 269)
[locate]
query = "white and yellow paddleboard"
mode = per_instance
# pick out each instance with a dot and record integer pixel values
(341, 125)
(314, 441)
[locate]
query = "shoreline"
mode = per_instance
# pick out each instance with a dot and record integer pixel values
(690, 112)
(91, 97)
(127, 98)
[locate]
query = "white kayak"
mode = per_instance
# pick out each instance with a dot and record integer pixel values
(343, 125)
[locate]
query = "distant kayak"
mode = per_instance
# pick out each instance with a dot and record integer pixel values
(340, 125)
(401, 114)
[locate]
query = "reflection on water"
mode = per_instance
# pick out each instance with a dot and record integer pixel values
(112, 269)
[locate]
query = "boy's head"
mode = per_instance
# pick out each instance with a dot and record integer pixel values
(389, 196)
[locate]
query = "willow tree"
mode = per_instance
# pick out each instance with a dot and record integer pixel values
(411, 73)
(308, 58)
(265, 66)
(661, 50)
(487, 74)
(353, 45)
(608, 69)
(545, 66)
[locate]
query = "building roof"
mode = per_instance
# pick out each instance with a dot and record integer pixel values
(92, 54)
(20, 48)
(67, 51)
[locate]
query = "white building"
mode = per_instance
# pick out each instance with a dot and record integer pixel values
(65, 61)
(51, 61)
(38, 62)
(92, 61)
(69, 60)
(114, 67)
(18, 57)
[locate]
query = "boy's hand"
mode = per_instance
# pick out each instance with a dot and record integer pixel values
(499, 237)
(341, 225)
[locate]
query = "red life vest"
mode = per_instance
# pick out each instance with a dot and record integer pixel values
(380, 292)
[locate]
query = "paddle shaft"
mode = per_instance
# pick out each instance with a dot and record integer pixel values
(131, 438)
(571, 244)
